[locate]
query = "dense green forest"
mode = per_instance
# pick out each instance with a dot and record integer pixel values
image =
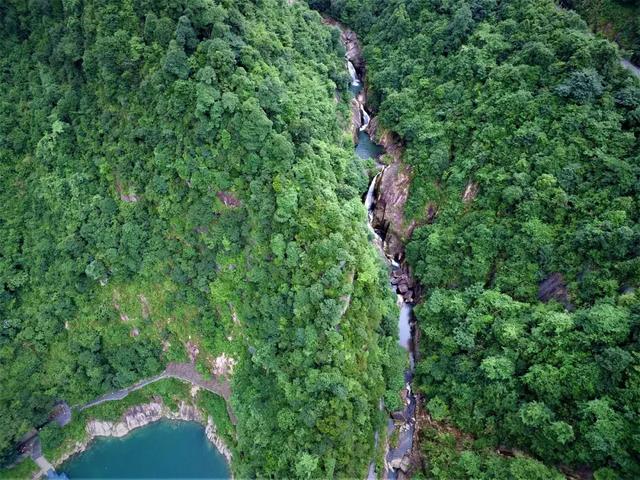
(617, 20)
(177, 173)
(521, 130)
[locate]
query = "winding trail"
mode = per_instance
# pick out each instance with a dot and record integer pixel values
(185, 372)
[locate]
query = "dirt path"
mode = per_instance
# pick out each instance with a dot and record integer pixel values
(185, 372)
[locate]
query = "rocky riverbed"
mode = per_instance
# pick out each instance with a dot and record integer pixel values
(385, 202)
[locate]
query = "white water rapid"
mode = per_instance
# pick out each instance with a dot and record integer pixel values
(365, 118)
(355, 81)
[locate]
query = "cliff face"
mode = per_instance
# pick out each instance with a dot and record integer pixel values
(142, 415)
(391, 195)
(351, 44)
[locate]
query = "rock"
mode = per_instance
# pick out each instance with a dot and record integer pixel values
(405, 464)
(134, 332)
(402, 475)
(125, 197)
(354, 50)
(393, 192)
(470, 192)
(351, 44)
(399, 416)
(388, 214)
(142, 415)
(214, 438)
(223, 365)
(554, 287)
(192, 350)
(135, 417)
(228, 199)
(132, 198)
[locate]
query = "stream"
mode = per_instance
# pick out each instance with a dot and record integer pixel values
(402, 421)
(634, 69)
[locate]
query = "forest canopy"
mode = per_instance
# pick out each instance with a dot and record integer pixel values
(176, 177)
(521, 129)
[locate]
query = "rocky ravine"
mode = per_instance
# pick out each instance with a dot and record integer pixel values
(390, 197)
(385, 201)
(140, 416)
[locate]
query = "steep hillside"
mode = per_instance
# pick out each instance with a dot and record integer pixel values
(177, 185)
(617, 20)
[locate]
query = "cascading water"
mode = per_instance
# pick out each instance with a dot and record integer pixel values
(369, 199)
(403, 421)
(365, 118)
(631, 67)
(355, 81)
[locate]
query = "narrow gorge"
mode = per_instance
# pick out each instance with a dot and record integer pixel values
(384, 201)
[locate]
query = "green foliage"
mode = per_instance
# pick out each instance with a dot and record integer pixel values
(617, 20)
(522, 129)
(447, 458)
(216, 407)
(173, 172)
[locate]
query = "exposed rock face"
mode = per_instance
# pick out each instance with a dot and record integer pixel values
(392, 192)
(228, 199)
(554, 287)
(142, 415)
(223, 365)
(135, 417)
(470, 192)
(351, 44)
(388, 215)
(354, 50)
(126, 197)
(214, 438)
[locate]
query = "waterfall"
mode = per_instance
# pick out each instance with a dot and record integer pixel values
(406, 427)
(354, 75)
(365, 118)
(369, 199)
(404, 324)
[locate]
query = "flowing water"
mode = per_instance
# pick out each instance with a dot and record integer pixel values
(631, 67)
(355, 81)
(366, 149)
(164, 449)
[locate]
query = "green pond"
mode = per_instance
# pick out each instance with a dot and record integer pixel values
(163, 449)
